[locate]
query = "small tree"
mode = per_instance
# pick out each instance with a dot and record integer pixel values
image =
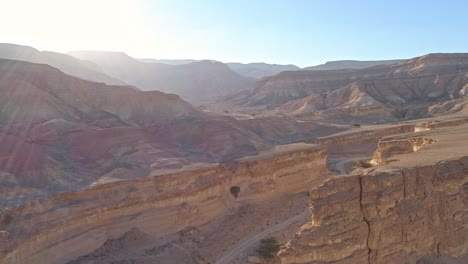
(268, 248)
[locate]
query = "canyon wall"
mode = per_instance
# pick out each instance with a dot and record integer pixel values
(394, 216)
(61, 228)
(361, 140)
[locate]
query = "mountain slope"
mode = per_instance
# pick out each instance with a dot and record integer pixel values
(260, 70)
(68, 64)
(350, 64)
(59, 132)
(402, 90)
(194, 81)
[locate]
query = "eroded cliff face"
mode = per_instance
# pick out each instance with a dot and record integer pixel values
(360, 140)
(393, 147)
(69, 225)
(386, 217)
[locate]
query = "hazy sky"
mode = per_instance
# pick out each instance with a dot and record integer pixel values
(302, 32)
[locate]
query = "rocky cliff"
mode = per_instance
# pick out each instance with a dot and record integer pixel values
(414, 209)
(69, 225)
(386, 217)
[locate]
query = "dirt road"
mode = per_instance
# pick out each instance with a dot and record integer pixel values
(249, 242)
(340, 166)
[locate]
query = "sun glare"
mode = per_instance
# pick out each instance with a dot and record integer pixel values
(66, 25)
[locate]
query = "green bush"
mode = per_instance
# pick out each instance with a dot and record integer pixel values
(268, 248)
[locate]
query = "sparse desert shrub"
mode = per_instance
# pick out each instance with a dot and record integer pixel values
(364, 164)
(400, 113)
(356, 125)
(268, 248)
(235, 190)
(8, 220)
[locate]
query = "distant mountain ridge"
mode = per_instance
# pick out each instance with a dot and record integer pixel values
(167, 61)
(255, 70)
(260, 69)
(199, 80)
(70, 65)
(387, 92)
(350, 64)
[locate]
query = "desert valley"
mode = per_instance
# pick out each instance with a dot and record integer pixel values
(105, 158)
(233, 132)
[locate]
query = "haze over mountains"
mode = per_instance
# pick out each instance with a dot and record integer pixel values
(260, 69)
(194, 81)
(68, 64)
(169, 62)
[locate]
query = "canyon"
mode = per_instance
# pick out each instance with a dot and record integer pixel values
(52, 230)
(374, 215)
(366, 163)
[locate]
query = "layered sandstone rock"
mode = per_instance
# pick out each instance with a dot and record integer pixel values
(386, 217)
(69, 225)
(415, 208)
